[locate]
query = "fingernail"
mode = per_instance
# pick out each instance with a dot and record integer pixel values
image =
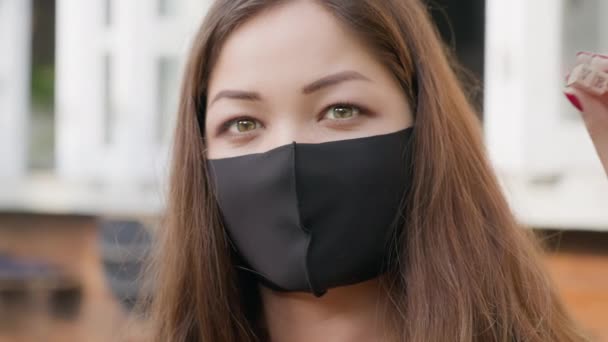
(584, 53)
(601, 56)
(574, 100)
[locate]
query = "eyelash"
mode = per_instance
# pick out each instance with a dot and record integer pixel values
(226, 125)
(362, 109)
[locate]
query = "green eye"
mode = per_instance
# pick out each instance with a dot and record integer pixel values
(245, 125)
(342, 112)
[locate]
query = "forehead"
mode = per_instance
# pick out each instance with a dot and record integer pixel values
(297, 41)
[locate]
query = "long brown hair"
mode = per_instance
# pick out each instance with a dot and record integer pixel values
(463, 269)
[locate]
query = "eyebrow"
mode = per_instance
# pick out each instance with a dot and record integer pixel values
(334, 79)
(327, 81)
(237, 95)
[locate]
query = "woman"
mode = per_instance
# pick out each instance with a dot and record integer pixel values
(330, 184)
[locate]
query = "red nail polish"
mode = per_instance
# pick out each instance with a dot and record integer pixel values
(575, 101)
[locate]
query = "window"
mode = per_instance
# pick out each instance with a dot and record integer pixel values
(166, 7)
(167, 88)
(107, 12)
(41, 127)
(108, 103)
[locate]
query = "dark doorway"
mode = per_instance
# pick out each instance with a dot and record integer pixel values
(462, 26)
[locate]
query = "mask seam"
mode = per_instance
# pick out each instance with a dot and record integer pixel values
(307, 272)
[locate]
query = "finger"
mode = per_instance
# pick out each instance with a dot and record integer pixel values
(595, 117)
(584, 57)
(602, 55)
(590, 78)
(599, 62)
(593, 109)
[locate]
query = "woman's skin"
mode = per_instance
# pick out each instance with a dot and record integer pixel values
(283, 71)
(593, 108)
(282, 77)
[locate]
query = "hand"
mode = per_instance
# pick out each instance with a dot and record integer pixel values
(589, 94)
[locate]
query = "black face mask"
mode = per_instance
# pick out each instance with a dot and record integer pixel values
(309, 217)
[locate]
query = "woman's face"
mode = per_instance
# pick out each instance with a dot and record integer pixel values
(294, 73)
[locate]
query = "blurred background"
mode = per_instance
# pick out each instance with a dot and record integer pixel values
(88, 93)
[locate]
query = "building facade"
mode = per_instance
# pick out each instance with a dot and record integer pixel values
(118, 71)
